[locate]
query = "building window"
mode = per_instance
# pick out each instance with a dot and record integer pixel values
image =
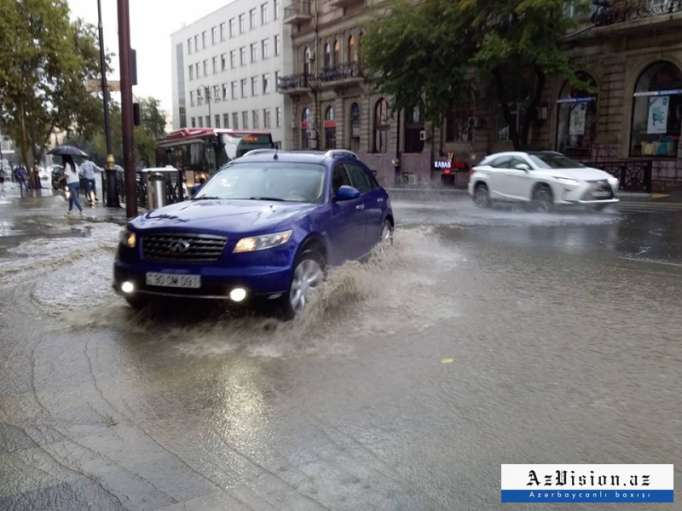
(196, 70)
(278, 117)
(255, 119)
(243, 87)
(254, 86)
(200, 97)
(194, 122)
(307, 61)
(230, 27)
(233, 59)
(252, 19)
(414, 124)
(223, 61)
(266, 83)
(502, 126)
(459, 125)
(201, 121)
(381, 126)
(245, 120)
(217, 120)
(577, 118)
(327, 56)
(242, 56)
(191, 98)
(254, 52)
(354, 131)
(235, 121)
(233, 90)
(203, 40)
(208, 121)
(305, 128)
(657, 111)
(264, 14)
(214, 64)
(224, 92)
(191, 72)
(226, 121)
(214, 35)
(275, 9)
(205, 67)
(196, 43)
(352, 50)
(337, 53)
(222, 32)
(329, 128)
(265, 49)
(276, 45)
(216, 93)
(189, 45)
(242, 23)
(267, 123)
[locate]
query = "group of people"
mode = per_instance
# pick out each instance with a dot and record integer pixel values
(19, 175)
(72, 177)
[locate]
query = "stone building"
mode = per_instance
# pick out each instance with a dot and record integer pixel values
(332, 104)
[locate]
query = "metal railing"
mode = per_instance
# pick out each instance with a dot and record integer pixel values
(607, 14)
(297, 8)
(297, 81)
(341, 72)
(634, 175)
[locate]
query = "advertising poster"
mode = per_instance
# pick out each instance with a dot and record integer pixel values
(658, 115)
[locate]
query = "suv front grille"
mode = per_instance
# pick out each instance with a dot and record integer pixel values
(182, 247)
(599, 190)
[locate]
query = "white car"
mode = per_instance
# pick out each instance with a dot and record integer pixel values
(542, 178)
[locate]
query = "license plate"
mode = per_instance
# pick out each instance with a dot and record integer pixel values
(173, 280)
(601, 194)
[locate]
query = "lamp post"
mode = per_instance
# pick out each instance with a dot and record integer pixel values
(127, 106)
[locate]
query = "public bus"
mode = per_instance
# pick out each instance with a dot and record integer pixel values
(198, 153)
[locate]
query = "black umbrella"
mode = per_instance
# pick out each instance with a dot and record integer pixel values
(67, 150)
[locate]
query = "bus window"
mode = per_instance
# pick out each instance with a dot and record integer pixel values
(236, 146)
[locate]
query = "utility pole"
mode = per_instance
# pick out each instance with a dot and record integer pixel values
(127, 107)
(109, 174)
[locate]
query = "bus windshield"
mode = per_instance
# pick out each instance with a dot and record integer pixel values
(238, 145)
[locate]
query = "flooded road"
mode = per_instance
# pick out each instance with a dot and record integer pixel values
(483, 337)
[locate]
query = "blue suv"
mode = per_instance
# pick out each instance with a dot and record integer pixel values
(267, 225)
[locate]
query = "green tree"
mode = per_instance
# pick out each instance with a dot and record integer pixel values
(438, 51)
(46, 61)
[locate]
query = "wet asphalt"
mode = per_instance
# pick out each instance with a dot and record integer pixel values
(483, 337)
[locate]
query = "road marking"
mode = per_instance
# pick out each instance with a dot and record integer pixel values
(659, 195)
(447, 360)
(651, 261)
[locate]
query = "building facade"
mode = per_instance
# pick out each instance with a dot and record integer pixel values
(225, 67)
(333, 106)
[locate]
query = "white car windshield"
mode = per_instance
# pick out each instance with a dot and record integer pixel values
(553, 161)
(291, 182)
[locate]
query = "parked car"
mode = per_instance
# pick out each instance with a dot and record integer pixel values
(542, 179)
(266, 226)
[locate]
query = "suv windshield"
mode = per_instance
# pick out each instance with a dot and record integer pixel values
(553, 161)
(294, 182)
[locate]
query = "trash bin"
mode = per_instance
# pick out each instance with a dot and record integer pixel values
(156, 190)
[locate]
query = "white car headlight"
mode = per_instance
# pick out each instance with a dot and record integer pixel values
(127, 238)
(567, 180)
(264, 242)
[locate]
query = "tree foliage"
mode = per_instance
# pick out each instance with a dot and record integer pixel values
(45, 62)
(436, 50)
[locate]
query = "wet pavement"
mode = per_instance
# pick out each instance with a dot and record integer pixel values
(483, 337)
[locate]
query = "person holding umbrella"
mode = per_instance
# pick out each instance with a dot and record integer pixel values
(71, 174)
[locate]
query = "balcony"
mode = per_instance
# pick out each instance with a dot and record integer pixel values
(292, 84)
(637, 12)
(298, 12)
(341, 74)
(346, 3)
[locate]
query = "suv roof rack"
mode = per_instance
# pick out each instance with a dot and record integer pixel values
(340, 153)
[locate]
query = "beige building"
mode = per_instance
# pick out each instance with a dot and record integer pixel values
(332, 104)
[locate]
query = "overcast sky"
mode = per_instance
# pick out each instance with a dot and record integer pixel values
(151, 24)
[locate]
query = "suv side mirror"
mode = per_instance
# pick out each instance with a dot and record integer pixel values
(522, 166)
(346, 192)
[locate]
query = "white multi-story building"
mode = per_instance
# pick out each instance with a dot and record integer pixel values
(226, 66)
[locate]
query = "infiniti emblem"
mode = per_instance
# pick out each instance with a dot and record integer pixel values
(179, 246)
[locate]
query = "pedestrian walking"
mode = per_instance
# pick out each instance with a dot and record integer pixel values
(2, 180)
(20, 176)
(72, 183)
(87, 172)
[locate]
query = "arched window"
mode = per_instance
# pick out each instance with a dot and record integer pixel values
(337, 53)
(305, 127)
(381, 126)
(352, 50)
(327, 56)
(657, 111)
(307, 61)
(354, 132)
(414, 124)
(329, 128)
(577, 118)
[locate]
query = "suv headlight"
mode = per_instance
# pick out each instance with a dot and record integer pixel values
(127, 238)
(567, 180)
(263, 242)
